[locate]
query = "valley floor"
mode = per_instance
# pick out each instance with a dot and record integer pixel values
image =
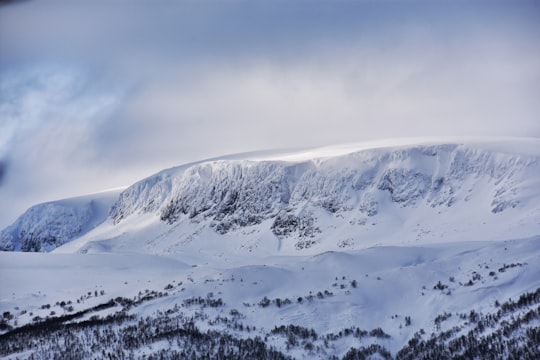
(455, 300)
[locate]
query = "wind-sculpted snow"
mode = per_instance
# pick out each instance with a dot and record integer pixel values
(303, 200)
(147, 195)
(235, 194)
(232, 194)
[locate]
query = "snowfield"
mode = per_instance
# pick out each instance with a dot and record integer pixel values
(411, 249)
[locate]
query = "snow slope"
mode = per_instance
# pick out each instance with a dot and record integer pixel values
(46, 226)
(414, 249)
(402, 291)
(352, 196)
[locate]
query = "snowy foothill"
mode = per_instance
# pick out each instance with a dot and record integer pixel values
(400, 290)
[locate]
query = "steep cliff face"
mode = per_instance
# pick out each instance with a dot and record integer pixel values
(418, 191)
(248, 191)
(230, 195)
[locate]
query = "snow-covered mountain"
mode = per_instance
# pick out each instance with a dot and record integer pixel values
(408, 250)
(323, 199)
(331, 198)
(46, 226)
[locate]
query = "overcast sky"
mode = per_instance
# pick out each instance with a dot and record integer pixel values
(99, 94)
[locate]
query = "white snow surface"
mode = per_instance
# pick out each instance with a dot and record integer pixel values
(392, 282)
(334, 198)
(395, 217)
(46, 226)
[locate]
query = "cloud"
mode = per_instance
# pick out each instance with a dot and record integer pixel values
(48, 114)
(3, 170)
(343, 97)
(50, 102)
(11, 2)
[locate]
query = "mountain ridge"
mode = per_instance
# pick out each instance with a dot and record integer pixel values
(297, 197)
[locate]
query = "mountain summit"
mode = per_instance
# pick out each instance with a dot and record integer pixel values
(323, 199)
